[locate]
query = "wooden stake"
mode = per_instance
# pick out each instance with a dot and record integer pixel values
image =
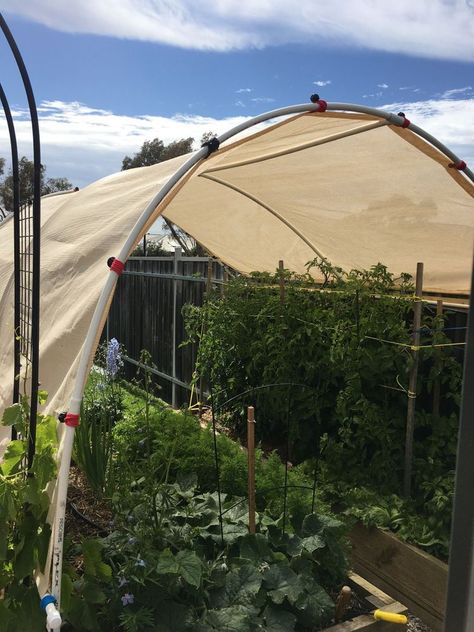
(251, 466)
(437, 383)
(410, 426)
(342, 602)
(281, 269)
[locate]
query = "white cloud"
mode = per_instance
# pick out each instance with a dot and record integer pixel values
(455, 91)
(382, 85)
(428, 28)
(262, 100)
(84, 143)
(322, 83)
(447, 120)
(241, 90)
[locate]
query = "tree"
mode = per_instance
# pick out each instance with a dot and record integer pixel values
(53, 185)
(26, 176)
(152, 152)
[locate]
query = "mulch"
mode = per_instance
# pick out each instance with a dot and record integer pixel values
(87, 513)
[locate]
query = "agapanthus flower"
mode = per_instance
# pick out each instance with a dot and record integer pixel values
(114, 357)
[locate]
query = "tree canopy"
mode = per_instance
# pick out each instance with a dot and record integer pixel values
(26, 172)
(153, 151)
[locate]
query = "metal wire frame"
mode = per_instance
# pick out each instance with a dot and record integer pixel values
(317, 452)
(27, 260)
(16, 254)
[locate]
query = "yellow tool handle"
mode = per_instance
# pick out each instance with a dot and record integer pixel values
(391, 617)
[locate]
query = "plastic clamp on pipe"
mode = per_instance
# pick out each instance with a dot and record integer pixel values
(53, 618)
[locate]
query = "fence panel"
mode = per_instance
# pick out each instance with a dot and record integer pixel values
(146, 313)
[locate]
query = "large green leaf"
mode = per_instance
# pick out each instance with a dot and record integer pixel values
(8, 506)
(13, 456)
(282, 583)
(279, 620)
(46, 432)
(315, 607)
(255, 547)
(167, 564)
(94, 566)
(232, 619)
(241, 587)
(317, 524)
(12, 415)
(42, 545)
(313, 542)
(189, 567)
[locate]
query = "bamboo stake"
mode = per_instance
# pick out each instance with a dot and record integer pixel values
(251, 466)
(410, 426)
(437, 384)
(281, 269)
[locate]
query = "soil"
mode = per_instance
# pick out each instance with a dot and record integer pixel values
(87, 513)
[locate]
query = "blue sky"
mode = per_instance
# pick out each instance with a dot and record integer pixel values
(108, 75)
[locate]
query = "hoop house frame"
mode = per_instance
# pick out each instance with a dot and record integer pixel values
(150, 213)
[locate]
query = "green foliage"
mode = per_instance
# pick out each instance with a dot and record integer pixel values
(347, 393)
(24, 531)
(167, 444)
(171, 570)
(102, 407)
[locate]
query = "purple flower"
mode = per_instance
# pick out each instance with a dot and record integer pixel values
(140, 562)
(114, 358)
(122, 582)
(128, 598)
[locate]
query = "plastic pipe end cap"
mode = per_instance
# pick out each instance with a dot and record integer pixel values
(53, 618)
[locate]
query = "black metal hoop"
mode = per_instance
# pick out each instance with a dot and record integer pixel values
(27, 254)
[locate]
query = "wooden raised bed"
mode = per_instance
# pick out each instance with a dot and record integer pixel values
(375, 598)
(407, 573)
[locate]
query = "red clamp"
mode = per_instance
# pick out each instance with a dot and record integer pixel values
(461, 165)
(71, 420)
(117, 266)
(323, 105)
(406, 122)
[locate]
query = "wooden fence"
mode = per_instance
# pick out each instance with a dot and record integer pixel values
(146, 313)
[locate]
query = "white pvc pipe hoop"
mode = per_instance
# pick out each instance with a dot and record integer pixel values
(101, 310)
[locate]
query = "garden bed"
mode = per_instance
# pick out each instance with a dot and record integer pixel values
(419, 580)
(373, 598)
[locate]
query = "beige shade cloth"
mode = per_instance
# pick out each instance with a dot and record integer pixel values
(347, 187)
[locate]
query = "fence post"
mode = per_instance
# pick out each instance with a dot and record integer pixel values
(412, 382)
(176, 259)
(281, 272)
(437, 383)
(251, 466)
